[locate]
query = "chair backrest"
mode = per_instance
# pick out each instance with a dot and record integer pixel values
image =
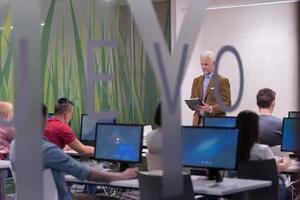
(260, 170)
(151, 187)
(50, 190)
(154, 162)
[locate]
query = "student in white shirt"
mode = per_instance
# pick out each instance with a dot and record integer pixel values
(250, 149)
(247, 121)
(154, 138)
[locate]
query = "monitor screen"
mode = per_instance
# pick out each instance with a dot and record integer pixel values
(229, 122)
(294, 114)
(290, 134)
(119, 142)
(88, 127)
(214, 148)
(50, 115)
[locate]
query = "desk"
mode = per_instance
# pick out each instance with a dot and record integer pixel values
(4, 167)
(129, 184)
(229, 186)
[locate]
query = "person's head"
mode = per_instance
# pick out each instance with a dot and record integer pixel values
(6, 111)
(64, 109)
(157, 118)
(207, 62)
(247, 122)
(265, 98)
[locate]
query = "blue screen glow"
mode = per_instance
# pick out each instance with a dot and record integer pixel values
(229, 122)
(119, 142)
(88, 127)
(290, 134)
(210, 147)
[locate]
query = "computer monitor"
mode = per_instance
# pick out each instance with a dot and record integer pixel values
(88, 127)
(210, 147)
(290, 135)
(119, 142)
(294, 114)
(50, 115)
(229, 122)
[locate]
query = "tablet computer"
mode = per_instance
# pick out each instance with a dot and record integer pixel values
(193, 102)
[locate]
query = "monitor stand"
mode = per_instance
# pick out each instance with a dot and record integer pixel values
(214, 174)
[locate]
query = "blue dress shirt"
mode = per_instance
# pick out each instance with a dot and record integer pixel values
(60, 164)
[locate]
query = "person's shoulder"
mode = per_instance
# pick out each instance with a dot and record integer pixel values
(55, 124)
(153, 133)
(50, 148)
(261, 146)
(198, 78)
(222, 78)
(47, 144)
(277, 119)
(271, 118)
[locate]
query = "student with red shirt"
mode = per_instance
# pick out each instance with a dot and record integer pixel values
(58, 131)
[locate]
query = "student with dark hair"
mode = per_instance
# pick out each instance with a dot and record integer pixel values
(58, 131)
(269, 125)
(154, 138)
(61, 164)
(247, 121)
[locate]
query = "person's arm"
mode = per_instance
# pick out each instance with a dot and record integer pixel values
(101, 176)
(81, 148)
(195, 84)
(225, 96)
(283, 163)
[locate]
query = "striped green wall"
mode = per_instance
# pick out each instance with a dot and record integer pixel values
(66, 27)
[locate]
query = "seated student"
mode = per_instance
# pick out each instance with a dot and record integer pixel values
(58, 131)
(269, 125)
(7, 133)
(61, 164)
(251, 150)
(154, 138)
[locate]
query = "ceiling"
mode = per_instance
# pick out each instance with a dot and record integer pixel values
(220, 3)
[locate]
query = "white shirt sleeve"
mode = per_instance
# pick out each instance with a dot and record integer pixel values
(261, 152)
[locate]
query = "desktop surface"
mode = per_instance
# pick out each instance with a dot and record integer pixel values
(229, 186)
(119, 142)
(210, 147)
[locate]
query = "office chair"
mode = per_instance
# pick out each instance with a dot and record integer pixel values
(49, 186)
(151, 187)
(260, 170)
(154, 162)
(50, 190)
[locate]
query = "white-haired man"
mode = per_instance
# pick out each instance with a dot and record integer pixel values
(204, 86)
